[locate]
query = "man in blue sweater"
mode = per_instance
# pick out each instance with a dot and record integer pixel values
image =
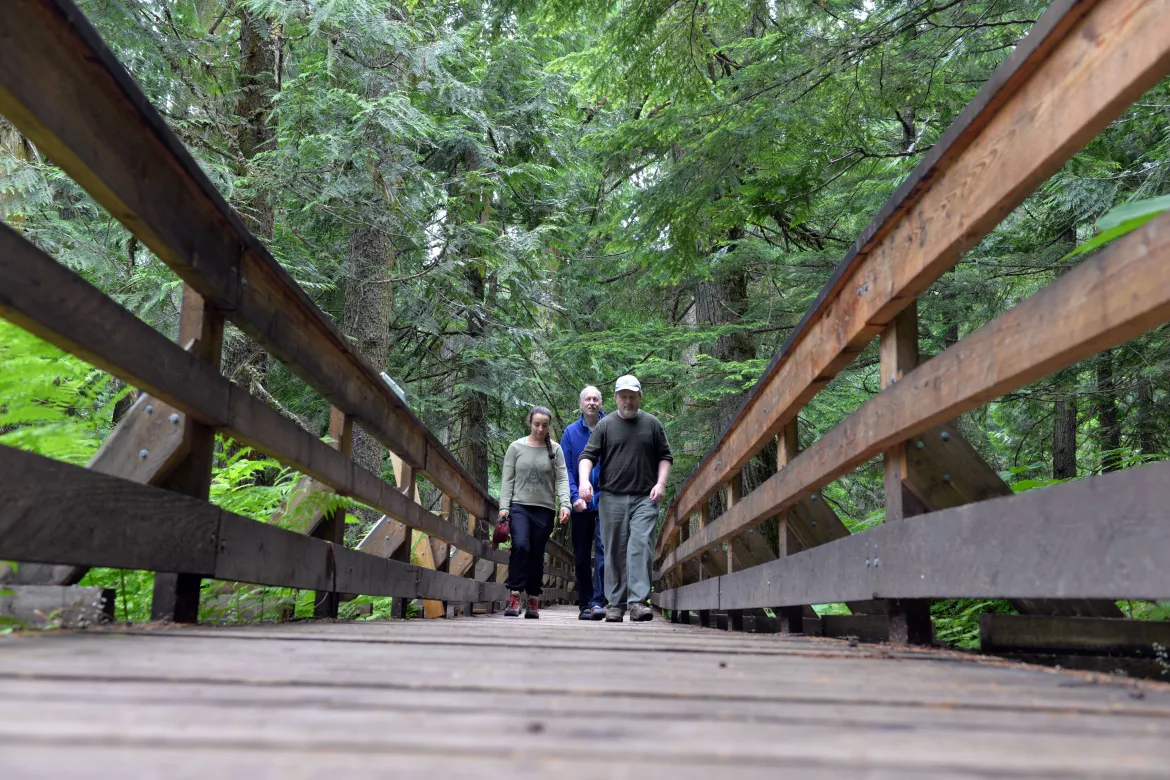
(586, 531)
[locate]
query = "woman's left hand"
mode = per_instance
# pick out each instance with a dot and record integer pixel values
(564, 515)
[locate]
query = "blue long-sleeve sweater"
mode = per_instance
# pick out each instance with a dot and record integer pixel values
(573, 441)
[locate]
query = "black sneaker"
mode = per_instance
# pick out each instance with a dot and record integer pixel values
(598, 612)
(614, 615)
(586, 613)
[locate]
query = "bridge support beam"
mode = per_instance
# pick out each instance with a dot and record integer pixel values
(176, 594)
(909, 618)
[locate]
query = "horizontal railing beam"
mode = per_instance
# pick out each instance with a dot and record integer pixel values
(1101, 537)
(54, 303)
(63, 89)
(1107, 300)
(1079, 68)
(91, 519)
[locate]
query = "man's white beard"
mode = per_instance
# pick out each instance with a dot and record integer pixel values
(622, 413)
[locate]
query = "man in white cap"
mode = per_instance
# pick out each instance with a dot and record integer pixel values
(635, 462)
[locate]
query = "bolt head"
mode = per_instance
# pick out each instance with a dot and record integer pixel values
(143, 453)
(918, 444)
(945, 436)
(947, 478)
(867, 563)
(814, 523)
(149, 409)
(877, 561)
(174, 418)
(813, 497)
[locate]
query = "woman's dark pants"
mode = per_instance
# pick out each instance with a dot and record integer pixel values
(530, 526)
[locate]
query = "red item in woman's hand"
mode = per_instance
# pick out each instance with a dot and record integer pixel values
(500, 534)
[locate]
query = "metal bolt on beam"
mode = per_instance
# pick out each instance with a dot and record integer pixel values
(142, 454)
(174, 418)
(149, 409)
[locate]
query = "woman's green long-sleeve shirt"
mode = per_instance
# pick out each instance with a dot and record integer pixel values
(531, 478)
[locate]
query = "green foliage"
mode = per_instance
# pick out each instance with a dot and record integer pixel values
(51, 402)
(956, 621)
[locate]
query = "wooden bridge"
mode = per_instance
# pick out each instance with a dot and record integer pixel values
(479, 694)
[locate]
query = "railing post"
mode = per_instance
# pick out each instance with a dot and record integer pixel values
(909, 618)
(734, 496)
(704, 518)
(332, 526)
(404, 474)
(791, 618)
(176, 594)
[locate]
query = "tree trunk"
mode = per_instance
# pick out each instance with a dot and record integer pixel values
(1147, 439)
(254, 108)
(242, 361)
(1109, 438)
(369, 304)
(1064, 438)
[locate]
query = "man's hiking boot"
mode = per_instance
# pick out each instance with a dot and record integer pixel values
(586, 613)
(614, 614)
(639, 613)
(597, 612)
(513, 608)
(533, 610)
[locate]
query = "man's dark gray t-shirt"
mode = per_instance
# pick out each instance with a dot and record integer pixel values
(629, 451)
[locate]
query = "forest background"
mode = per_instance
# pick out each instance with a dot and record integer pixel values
(501, 202)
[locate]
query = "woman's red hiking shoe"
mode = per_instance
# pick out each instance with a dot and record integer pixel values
(533, 610)
(513, 608)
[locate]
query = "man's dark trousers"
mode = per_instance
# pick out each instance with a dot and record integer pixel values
(590, 579)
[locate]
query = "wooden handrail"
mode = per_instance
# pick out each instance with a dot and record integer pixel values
(62, 87)
(1109, 299)
(122, 526)
(1081, 65)
(1102, 535)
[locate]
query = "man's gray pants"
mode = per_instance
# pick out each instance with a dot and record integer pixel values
(628, 524)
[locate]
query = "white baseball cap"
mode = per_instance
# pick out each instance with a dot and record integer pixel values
(628, 382)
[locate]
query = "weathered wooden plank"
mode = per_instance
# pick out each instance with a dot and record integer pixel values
(1045, 633)
(120, 527)
(151, 426)
(1080, 67)
(90, 519)
(64, 89)
(1102, 537)
(1107, 300)
(62, 606)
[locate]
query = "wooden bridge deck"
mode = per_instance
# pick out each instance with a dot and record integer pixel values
(495, 696)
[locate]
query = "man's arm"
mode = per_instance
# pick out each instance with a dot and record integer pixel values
(584, 467)
(658, 492)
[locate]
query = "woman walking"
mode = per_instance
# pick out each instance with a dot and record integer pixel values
(535, 484)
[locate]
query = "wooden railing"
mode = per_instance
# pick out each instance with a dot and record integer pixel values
(1063, 550)
(62, 88)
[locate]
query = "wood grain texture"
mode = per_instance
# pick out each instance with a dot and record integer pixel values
(1044, 633)
(1103, 537)
(121, 528)
(315, 700)
(1107, 300)
(1084, 63)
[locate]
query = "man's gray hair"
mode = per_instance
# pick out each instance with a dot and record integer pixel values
(585, 390)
